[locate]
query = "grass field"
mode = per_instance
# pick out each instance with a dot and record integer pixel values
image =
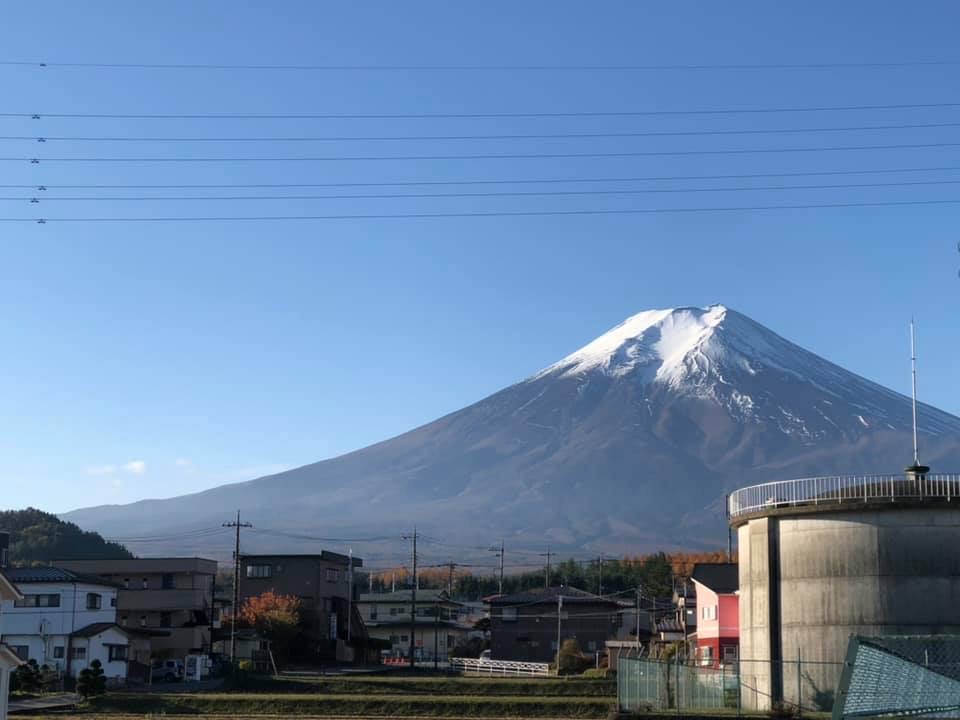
(371, 696)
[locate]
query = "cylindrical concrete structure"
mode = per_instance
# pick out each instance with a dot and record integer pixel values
(817, 567)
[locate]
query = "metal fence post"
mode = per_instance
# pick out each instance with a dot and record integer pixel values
(676, 691)
(799, 685)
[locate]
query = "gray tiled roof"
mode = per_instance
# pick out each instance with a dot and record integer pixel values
(45, 574)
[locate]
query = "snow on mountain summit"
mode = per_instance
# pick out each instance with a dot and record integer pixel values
(721, 355)
(674, 344)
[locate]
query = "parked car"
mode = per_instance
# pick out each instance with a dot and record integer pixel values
(166, 670)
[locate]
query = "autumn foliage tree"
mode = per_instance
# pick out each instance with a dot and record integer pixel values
(275, 617)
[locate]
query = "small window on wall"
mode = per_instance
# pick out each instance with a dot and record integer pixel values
(259, 571)
(79, 653)
(21, 651)
(333, 575)
(166, 581)
(94, 601)
(117, 653)
(58, 652)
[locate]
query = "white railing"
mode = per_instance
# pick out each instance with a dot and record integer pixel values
(499, 667)
(842, 489)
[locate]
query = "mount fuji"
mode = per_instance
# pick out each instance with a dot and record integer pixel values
(626, 445)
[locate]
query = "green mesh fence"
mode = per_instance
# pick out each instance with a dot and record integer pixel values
(899, 676)
(652, 685)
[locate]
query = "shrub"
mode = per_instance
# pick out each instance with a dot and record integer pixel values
(572, 661)
(92, 680)
(27, 677)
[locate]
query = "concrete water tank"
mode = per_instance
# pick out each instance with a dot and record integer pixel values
(823, 558)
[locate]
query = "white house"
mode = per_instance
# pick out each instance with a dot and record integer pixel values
(8, 659)
(65, 620)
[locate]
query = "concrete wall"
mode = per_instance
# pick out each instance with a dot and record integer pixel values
(879, 572)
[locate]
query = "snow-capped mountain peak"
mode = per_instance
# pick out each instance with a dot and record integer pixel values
(655, 342)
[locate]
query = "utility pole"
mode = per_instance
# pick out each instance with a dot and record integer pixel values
(350, 598)
(452, 566)
(559, 618)
(236, 586)
(413, 598)
(499, 553)
(546, 578)
(600, 577)
(638, 620)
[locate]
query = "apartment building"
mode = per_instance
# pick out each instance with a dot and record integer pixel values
(322, 582)
(172, 598)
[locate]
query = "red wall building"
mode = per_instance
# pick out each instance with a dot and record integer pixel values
(718, 608)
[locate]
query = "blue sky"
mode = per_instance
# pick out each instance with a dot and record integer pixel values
(153, 359)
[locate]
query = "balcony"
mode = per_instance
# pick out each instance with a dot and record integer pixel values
(161, 600)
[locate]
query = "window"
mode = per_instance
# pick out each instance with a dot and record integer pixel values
(21, 651)
(404, 638)
(58, 652)
(259, 571)
(393, 611)
(165, 619)
(394, 639)
(94, 601)
(113, 601)
(166, 581)
(143, 621)
(333, 575)
(592, 646)
(145, 583)
(509, 615)
(126, 583)
(79, 653)
(48, 600)
(116, 653)
(373, 612)
(123, 620)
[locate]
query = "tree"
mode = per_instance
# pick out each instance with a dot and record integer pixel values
(274, 617)
(571, 661)
(37, 537)
(92, 681)
(26, 678)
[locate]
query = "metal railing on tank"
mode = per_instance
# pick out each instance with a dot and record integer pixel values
(840, 490)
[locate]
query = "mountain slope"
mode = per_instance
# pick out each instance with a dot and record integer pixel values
(627, 444)
(38, 537)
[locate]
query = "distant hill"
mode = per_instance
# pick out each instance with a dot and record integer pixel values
(39, 537)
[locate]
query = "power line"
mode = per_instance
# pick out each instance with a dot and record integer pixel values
(479, 115)
(530, 213)
(863, 65)
(509, 136)
(539, 193)
(483, 156)
(415, 183)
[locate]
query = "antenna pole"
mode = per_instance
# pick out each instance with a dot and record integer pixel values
(913, 371)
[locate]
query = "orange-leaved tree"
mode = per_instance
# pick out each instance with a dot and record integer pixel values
(274, 617)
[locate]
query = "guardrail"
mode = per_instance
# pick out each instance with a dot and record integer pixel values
(500, 667)
(841, 490)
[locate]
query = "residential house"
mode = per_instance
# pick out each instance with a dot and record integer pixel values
(524, 626)
(66, 621)
(718, 602)
(172, 598)
(440, 622)
(323, 584)
(8, 658)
